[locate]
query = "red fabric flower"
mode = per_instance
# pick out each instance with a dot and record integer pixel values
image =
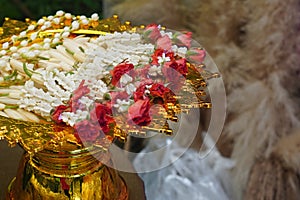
(164, 43)
(143, 71)
(119, 71)
(139, 113)
(81, 91)
(181, 67)
(139, 93)
(175, 73)
(87, 131)
(103, 114)
(184, 39)
(56, 115)
(118, 95)
(152, 32)
(159, 90)
(159, 53)
(178, 65)
(196, 55)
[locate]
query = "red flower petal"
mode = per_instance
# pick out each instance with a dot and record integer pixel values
(56, 115)
(139, 113)
(164, 43)
(119, 71)
(196, 55)
(152, 32)
(184, 39)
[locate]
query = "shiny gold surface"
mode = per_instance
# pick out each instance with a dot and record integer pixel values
(100, 183)
(34, 137)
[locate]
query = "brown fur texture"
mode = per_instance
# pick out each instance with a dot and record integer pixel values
(256, 45)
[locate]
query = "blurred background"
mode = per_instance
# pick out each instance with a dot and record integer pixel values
(20, 9)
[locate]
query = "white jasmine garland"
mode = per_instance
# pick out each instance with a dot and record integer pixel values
(55, 67)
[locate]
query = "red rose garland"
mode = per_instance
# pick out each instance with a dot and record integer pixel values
(148, 91)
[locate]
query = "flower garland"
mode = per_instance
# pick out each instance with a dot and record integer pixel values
(103, 86)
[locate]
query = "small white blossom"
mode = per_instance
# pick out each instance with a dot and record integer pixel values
(55, 40)
(65, 34)
(125, 79)
(56, 20)
(47, 40)
(13, 49)
(75, 25)
(162, 59)
(3, 52)
(130, 88)
(82, 17)
(41, 22)
(31, 27)
(84, 21)
(122, 105)
(46, 46)
(47, 24)
(36, 46)
(57, 35)
(30, 54)
(15, 55)
(3, 63)
(67, 29)
(43, 27)
(60, 13)
(5, 45)
(95, 17)
(68, 16)
(155, 70)
(24, 43)
(14, 38)
(50, 17)
(23, 34)
(33, 36)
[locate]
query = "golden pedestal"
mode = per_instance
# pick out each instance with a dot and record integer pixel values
(64, 175)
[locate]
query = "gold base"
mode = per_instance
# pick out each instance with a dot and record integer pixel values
(101, 184)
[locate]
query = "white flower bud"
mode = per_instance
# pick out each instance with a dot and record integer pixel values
(14, 38)
(60, 13)
(23, 34)
(68, 16)
(41, 22)
(31, 28)
(84, 21)
(13, 49)
(2, 52)
(46, 46)
(50, 17)
(82, 17)
(47, 24)
(75, 25)
(56, 20)
(47, 40)
(33, 36)
(57, 35)
(5, 45)
(65, 34)
(24, 43)
(67, 29)
(95, 16)
(55, 41)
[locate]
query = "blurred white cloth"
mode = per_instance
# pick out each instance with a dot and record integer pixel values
(189, 177)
